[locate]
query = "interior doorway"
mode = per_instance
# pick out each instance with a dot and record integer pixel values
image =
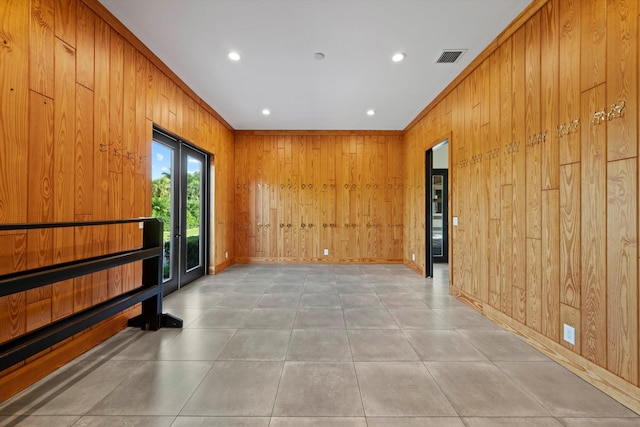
(436, 206)
(179, 186)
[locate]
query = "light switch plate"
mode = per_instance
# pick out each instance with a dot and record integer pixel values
(455, 221)
(326, 252)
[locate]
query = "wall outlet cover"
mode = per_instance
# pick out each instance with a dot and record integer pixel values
(326, 252)
(226, 254)
(570, 334)
(413, 257)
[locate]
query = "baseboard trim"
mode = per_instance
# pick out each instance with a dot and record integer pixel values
(324, 260)
(220, 267)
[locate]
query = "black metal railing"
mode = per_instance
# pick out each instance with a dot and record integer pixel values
(149, 293)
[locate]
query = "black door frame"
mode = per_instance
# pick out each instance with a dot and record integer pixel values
(428, 204)
(181, 150)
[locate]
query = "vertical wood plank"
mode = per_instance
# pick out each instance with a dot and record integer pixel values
(569, 83)
(519, 172)
(84, 155)
(570, 242)
(549, 60)
(593, 35)
(550, 279)
(622, 269)
(594, 226)
(41, 47)
(506, 123)
(83, 248)
(65, 21)
(101, 152)
(85, 46)
(14, 111)
(532, 125)
(534, 285)
(622, 77)
(506, 234)
(41, 186)
(64, 171)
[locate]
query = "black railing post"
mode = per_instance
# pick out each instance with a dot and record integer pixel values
(152, 275)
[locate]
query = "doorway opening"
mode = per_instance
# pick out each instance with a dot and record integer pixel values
(179, 197)
(437, 206)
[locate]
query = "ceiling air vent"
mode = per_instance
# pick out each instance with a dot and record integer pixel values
(450, 56)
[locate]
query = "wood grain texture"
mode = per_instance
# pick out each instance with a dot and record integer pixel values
(65, 21)
(41, 47)
(506, 267)
(622, 269)
(594, 227)
(309, 182)
(534, 284)
(519, 168)
(532, 127)
(570, 232)
(569, 84)
(84, 155)
(549, 99)
(14, 111)
(85, 46)
(571, 316)
(40, 179)
(550, 279)
(593, 35)
(13, 314)
(622, 77)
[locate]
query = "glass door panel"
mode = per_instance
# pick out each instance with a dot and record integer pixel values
(179, 184)
(162, 206)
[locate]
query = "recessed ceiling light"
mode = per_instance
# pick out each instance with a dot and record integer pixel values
(234, 56)
(371, 112)
(266, 112)
(318, 56)
(397, 57)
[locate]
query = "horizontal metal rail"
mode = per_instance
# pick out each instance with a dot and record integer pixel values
(149, 294)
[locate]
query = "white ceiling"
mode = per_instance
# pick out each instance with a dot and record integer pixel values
(278, 38)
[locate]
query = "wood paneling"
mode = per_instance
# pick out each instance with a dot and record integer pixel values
(593, 34)
(41, 47)
(567, 233)
(550, 280)
(622, 269)
(73, 114)
(622, 77)
(570, 228)
(549, 86)
(14, 110)
(594, 227)
(569, 84)
(327, 192)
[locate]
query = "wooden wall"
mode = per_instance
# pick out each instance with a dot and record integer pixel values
(78, 98)
(548, 220)
(298, 193)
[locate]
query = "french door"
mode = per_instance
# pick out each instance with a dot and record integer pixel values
(180, 177)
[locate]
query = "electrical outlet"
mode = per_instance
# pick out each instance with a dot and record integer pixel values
(326, 252)
(413, 257)
(141, 225)
(226, 254)
(570, 334)
(455, 221)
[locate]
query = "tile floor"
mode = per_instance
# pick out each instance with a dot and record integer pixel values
(316, 345)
